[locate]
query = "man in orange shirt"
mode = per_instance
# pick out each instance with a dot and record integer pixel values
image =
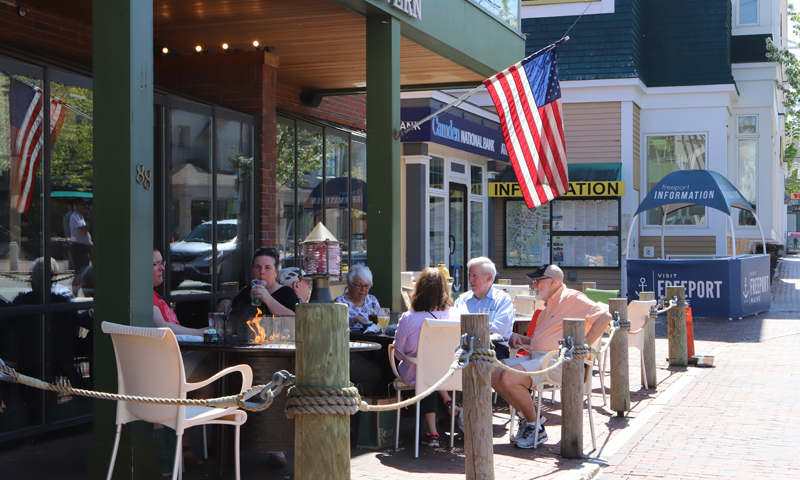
(560, 303)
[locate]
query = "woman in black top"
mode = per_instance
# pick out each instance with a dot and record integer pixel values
(276, 299)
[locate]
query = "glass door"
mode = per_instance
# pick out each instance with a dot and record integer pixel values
(457, 259)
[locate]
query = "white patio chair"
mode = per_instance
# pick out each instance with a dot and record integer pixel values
(149, 364)
(437, 347)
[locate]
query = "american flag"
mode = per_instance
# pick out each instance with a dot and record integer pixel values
(26, 138)
(528, 101)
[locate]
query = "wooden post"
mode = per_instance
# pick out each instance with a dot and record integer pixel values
(676, 324)
(620, 381)
(572, 393)
(322, 442)
(649, 351)
(586, 285)
(477, 392)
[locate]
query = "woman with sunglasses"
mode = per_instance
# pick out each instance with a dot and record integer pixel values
(360, 303)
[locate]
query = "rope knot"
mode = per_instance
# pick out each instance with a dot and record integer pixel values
(322, 401)
(625, 324)
(581, 351)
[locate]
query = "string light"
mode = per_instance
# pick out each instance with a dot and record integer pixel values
(165, 50)
(198, 49)
(255, 43)
(224, 46)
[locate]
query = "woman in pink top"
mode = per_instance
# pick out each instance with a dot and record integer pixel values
(431, 300)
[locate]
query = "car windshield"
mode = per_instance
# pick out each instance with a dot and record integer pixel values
(202, 234)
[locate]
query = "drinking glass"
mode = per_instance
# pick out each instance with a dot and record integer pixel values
(383, 319)
(256, 301)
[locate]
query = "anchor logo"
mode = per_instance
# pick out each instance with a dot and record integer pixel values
(642, 283)
(745, 289)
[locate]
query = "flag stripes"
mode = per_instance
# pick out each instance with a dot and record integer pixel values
(528, 101)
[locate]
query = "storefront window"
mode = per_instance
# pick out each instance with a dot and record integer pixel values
(286, 187)
(670, 153)
(748, 178)
(332, 191)
(437, 223)
(234, 199)
(476, 180)
(191, 230)
(476, 229)
(358, 205)
(41, 140)
(436, 173)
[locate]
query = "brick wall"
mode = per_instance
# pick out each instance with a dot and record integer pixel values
(39, 30)
(348, 110)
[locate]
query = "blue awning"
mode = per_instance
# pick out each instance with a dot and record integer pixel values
(581, 172)
(694, 187)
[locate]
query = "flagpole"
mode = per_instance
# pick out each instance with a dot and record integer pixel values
(399, 133)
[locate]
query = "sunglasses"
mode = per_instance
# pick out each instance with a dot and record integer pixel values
(540, 279)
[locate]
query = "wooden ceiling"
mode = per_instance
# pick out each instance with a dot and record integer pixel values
(321, 45)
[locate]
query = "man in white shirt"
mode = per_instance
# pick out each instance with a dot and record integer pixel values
(484, 296)
(80, 248)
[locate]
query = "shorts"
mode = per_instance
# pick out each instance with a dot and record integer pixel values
(532, 363)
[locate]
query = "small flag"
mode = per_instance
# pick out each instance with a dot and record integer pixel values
(528, 100)
(26, 137)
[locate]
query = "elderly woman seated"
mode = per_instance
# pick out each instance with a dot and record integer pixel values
(357, 298)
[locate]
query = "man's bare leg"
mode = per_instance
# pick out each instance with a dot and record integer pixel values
(515, 389)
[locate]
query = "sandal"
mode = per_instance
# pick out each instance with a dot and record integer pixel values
(432, 440)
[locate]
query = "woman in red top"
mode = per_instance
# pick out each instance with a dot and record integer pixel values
(163, 316)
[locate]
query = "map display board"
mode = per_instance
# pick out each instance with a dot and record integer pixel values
(570, 233)
(527, 235)
(586, 215)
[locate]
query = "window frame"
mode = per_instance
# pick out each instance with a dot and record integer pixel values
(737, 139)
(738, 13)
(645, 227)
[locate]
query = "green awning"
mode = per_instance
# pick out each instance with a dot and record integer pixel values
(581, 172)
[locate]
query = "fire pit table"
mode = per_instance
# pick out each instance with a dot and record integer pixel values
(268, 430)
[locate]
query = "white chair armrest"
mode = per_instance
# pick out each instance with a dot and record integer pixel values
(245, 370)
(546, 363)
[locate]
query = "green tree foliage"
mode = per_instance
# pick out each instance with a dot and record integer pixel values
(72, 158)
(790, 87)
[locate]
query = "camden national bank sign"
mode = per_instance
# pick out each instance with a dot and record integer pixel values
(411, 7)
(454, 131)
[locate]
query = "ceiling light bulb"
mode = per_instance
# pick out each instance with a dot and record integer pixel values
(224, 46)
(165, 50)
(198, 48)
(255, 43)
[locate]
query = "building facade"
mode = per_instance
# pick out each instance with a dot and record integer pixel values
(654, 90)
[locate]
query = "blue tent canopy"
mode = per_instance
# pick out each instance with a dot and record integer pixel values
(694, 187)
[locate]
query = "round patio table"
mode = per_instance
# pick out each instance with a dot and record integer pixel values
(268, 430)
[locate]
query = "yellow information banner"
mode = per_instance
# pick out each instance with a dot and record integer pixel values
(576, 189)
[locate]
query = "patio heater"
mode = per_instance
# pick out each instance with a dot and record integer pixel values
(322, 258)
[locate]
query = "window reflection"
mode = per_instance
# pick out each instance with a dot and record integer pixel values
(190, 185)
(21, 202)
(234, 145)
(286, 188)
(358, 205)
(309, 178)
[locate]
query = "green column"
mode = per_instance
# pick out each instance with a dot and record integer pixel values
(383, 158)
(123, 207)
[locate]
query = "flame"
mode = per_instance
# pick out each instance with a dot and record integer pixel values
(255, 326)
(273, 336)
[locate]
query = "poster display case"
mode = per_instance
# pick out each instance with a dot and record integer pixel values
(567, 232)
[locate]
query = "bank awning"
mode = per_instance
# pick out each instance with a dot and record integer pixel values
(582, 172)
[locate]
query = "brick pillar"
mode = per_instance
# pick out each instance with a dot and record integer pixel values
(246, 81)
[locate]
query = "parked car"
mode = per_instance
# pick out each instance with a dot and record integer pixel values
(192, 256)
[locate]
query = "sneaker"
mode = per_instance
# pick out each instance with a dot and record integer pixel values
(526, 441)
(432, 440)
(521, 424)
(449, 405)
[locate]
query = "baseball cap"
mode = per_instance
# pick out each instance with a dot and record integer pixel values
(287, 276)
(550, 271)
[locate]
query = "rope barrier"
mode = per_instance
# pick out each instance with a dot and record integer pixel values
(454, 367)
(229, 401)
(322, 401)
